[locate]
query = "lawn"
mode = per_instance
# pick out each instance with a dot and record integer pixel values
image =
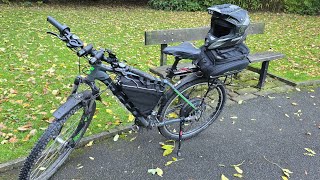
(37, 70)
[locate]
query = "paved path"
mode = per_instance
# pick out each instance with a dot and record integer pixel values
(260, 129)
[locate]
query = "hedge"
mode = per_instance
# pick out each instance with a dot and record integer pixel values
(309, 7)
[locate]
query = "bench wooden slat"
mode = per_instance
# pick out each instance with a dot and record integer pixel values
(257, 57)
(189, 34)
(265, 56)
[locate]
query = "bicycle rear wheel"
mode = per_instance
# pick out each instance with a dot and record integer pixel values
(56, 144)
(209, 100)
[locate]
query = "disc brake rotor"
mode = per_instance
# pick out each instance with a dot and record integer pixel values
(187, 110)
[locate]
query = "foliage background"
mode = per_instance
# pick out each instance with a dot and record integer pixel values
(310, 7)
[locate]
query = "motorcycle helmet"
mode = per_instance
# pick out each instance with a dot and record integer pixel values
(228, 26)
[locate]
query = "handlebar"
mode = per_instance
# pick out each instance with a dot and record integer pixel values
(60, 27)
(97, 56)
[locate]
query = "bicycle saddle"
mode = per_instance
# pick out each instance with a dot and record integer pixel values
(183, 51)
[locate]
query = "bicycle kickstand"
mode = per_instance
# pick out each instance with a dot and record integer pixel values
(180, 136)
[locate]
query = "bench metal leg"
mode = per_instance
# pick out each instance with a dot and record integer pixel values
(163, 57)
(263, 73)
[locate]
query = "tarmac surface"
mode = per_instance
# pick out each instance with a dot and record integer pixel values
(267, 134)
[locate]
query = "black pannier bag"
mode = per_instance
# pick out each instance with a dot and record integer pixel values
(216, 62)
(143, 94)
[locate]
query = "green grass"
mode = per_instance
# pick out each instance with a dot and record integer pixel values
(35, 64)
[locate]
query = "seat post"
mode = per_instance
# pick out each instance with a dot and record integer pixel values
(170, 71)
(176, 61)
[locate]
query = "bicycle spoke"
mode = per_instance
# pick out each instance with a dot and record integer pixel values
(53, 150)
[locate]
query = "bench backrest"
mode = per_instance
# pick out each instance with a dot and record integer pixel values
(165, 37)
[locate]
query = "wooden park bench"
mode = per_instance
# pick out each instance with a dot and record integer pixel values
(165, 37)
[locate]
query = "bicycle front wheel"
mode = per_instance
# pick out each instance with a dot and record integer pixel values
(56, 144)
(208, 99)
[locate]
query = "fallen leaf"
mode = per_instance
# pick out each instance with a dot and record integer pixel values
(238, 175)
(287, 115)
(131, 118)
(298, 89)
(310, 151)
(286, 172)
(238, 169)
(25, 127)
(152, 171)
(92, 158)
(223, 177)
(26, 138)
(132, 139)
(284, 177)
(55, 92)
(168, 163)
(166, 146)
(295, 104)
(116, 137)
(42, 168)
(271, 97)
(33, 132)
(2, 126)
(157, 171)
(89, 144)
(240, 102)
(13, 139)
(173, 115)
(109, 111)
(80, 167)
(167, 152)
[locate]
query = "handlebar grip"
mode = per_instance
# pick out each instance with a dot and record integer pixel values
(56, 24)
(141, 73)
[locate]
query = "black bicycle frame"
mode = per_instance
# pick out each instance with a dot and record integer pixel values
(99, 72)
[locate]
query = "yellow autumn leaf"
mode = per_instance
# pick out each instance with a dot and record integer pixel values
(168, 163)
(174, 159)
(109, 111)
(131, 118)
(310, 151)
(286, 172)
(284, 177)
(89, 144)
(159, 172)
(173, 115)
(238, 175)
(223, 177)
(238, 169)
(166, 146)
(167, 152)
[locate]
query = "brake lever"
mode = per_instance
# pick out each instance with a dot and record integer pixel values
(58, 36)
(111, 53)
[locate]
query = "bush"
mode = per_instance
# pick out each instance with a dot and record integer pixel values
(310, 7)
